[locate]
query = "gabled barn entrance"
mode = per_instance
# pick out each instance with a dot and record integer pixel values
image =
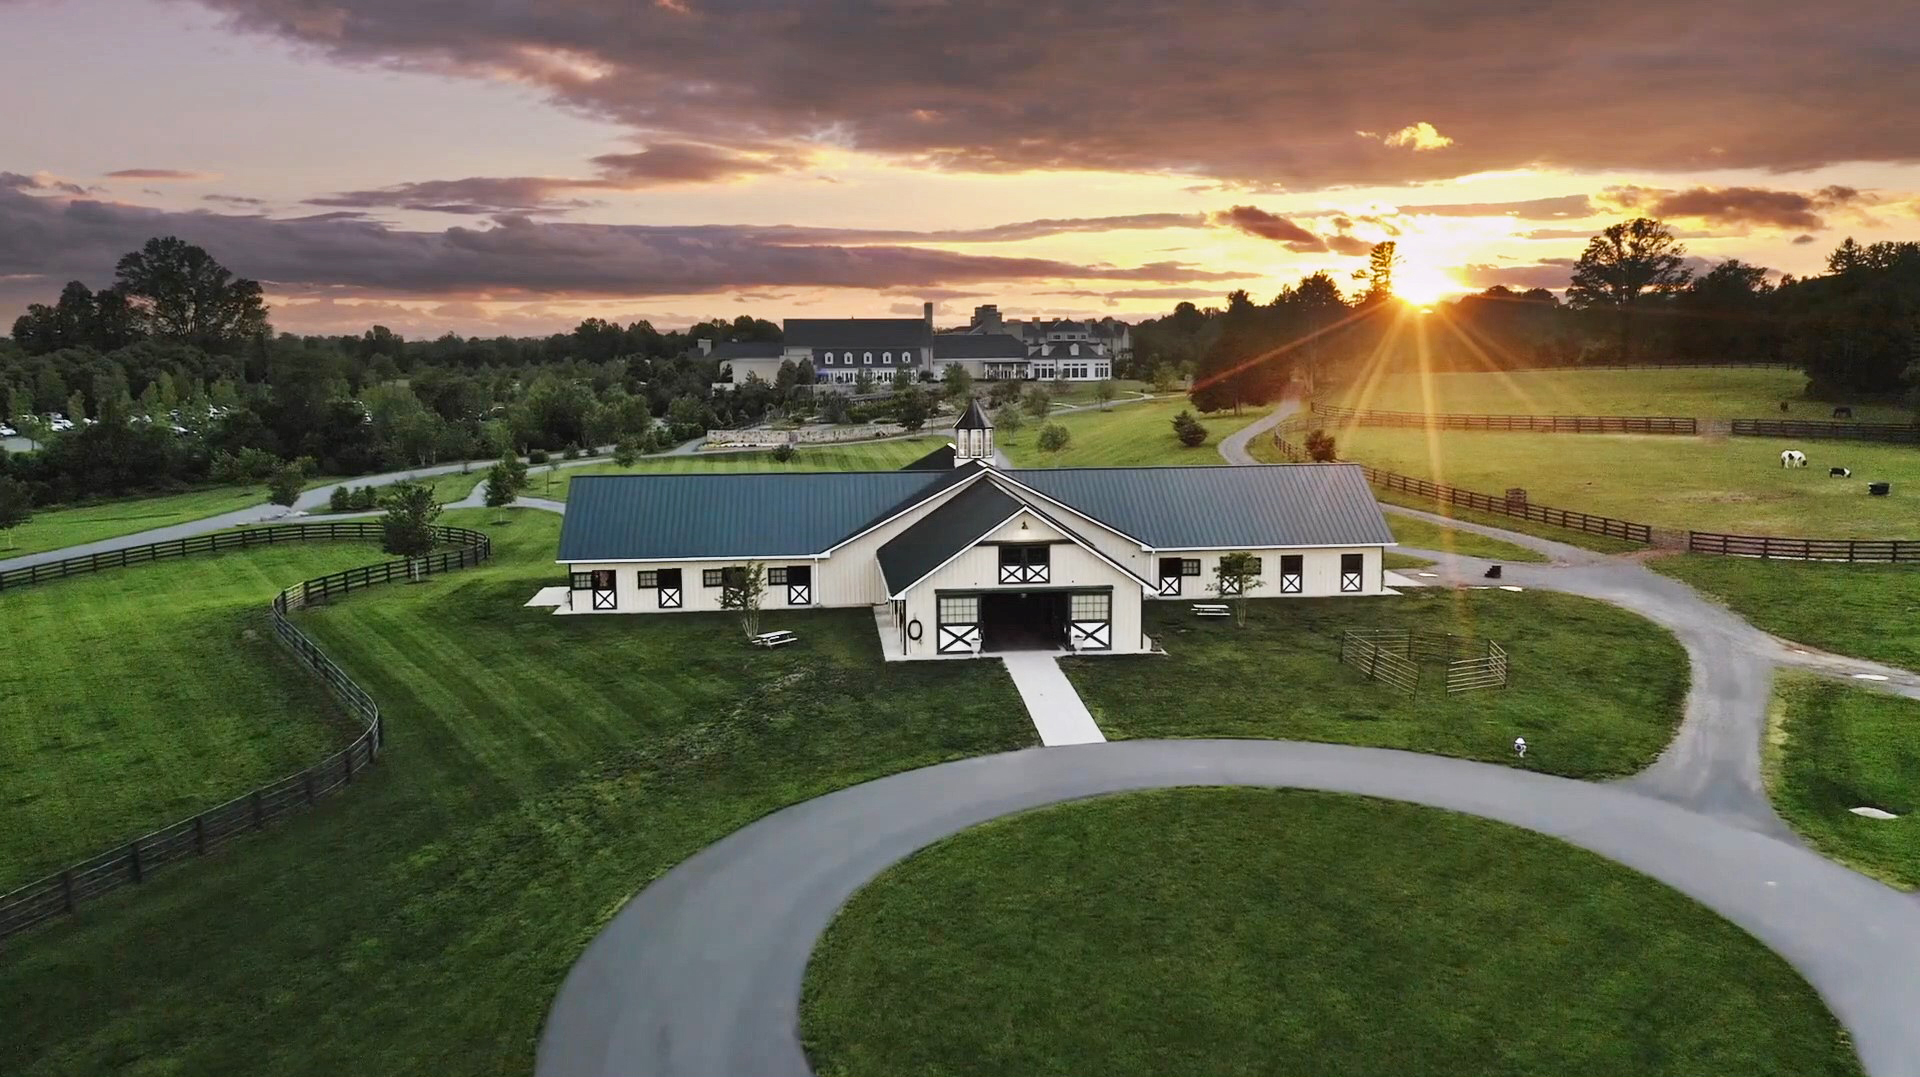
(1023, 620)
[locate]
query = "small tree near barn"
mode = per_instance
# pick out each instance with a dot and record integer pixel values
(742, 588)
(407, 528)
(1054, 437)
(16, 506)
(1233, 577)
(1320, 446)
(1189, 430)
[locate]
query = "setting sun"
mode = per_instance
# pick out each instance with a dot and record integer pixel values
(1421, 285)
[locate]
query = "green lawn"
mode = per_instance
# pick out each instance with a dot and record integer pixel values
(1254, 931)
(1735, 485)
(1137, 435)
(53, 529)
(1731, 393)
(1081, 392)
(1427, 535)
(1596, 690)
(539, 770)
(1867, 611)
(867, 456)
(1834, 746)
(140, 696)
(1392, 559)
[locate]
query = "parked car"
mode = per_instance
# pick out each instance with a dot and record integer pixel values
(8, 431)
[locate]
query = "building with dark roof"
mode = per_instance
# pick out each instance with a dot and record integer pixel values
(958, 557)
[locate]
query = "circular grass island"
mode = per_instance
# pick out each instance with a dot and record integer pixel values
(1256, 931)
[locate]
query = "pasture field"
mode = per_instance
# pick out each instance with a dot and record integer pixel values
(1732, 485)
(136, 697)
(1427, 535)
(1597, 691)
(539, 770)
(1833, 747)
(1705, 393)
(1134, 435)
(56, 528)
(1867, 611)
(1260, 931)
(865, 456)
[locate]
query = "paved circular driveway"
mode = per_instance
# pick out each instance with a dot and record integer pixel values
(701, 973)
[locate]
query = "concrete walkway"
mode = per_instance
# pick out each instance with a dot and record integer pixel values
(1052, 703)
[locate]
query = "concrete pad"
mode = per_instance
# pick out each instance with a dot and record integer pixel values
(548, 596)
(1873, 813)
(1870, 677)
(1391, 579)
(1056, 709)
(1511, 587)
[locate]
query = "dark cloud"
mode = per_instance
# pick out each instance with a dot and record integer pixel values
(682, 162)
(1739, 206)
(40, 181)
(1255, 221)
(1138, 293)
(1352, 246)
(987, 86)
(161, 174)
(233, 199)
(82, 239)
(1802, 239)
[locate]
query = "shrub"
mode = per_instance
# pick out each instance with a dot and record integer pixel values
(572, 452)
(536, 456)
(1320, 446)
(1008, 418)
(1054, 437)
(1188, 430)
(340, 500)
(366, 497)
(1038, 402)
(783, 452)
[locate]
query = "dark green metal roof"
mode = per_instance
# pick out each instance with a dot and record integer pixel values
(930, 542)
(1198, 507)
(781, 514)
(940, 459)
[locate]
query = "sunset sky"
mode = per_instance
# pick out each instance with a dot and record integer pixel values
(490, 166)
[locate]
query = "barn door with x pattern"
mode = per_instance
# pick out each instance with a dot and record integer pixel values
(604, 595)
(1169, 577)
(1292, 579)
(668, 581)
(1351, 565)
(958, 627)
(800, 585)
(1023, 564)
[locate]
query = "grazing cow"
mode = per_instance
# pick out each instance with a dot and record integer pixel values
(1843, 413)
(1792, 458)
(1783, 405)
(1839, 473)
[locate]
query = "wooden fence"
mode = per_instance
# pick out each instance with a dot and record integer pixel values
(1534, 424)
(1819, 430)
(60, 893)
(1519, 509)
(1471, 674)
(1766, 547)
(1379, 653)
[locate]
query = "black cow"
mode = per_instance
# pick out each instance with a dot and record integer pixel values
(1843, 413)
(1839, 473)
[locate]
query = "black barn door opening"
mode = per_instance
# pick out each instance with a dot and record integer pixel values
(1024, 620)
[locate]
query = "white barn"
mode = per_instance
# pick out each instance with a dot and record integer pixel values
(960, 557)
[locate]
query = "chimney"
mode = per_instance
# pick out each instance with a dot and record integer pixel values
(706, 345)
(927, 309)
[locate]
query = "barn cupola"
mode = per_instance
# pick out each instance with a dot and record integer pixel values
(972, 436)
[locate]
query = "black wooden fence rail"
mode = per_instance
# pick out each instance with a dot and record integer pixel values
(1821, 430)
(60, 893)
(1533, 424)
(1767, 547)
(1519, 509)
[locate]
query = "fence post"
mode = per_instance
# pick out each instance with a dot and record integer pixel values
(200, 835)
(259, 817)
(346, 765)
(307, 780)
(133, 849)
(66, 889)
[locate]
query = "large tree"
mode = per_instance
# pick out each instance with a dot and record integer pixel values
(1624, 263)
(180, 293)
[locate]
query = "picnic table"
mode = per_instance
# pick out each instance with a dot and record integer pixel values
(1211, 609)
(775, 639)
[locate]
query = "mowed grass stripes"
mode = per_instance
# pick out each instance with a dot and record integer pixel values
(139, 696)
(539, 771)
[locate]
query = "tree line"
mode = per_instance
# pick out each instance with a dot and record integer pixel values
(1633, 297)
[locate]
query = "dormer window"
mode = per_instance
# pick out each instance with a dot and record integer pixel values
(829, 358)
(846, 357)
(866, 357)
(887, 358)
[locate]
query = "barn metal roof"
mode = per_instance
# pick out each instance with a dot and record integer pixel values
(1199, 507)
(782, 514)
(936, 537)
(857, 332)
(978, 346)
